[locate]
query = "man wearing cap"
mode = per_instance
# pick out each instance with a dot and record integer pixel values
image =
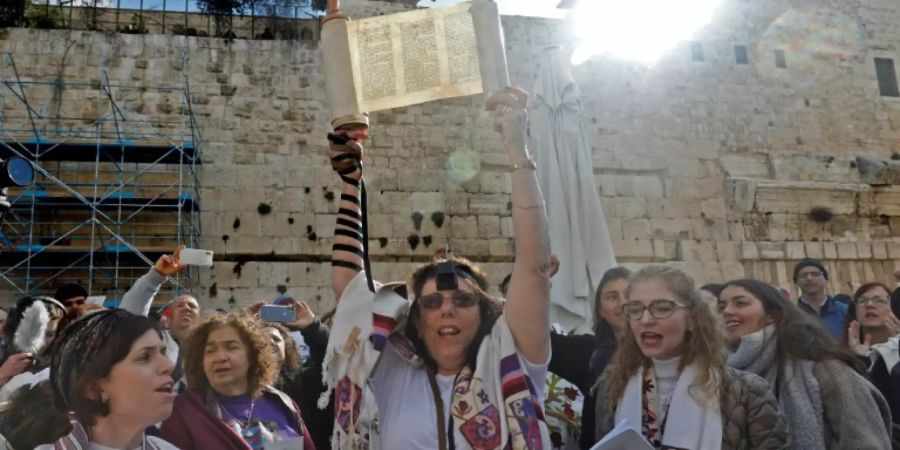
(180, 316)
(811, 277)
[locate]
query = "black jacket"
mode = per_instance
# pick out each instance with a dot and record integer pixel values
(305, 386)
(571, 359)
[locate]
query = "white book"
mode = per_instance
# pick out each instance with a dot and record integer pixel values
(413, 57)
(625, 436)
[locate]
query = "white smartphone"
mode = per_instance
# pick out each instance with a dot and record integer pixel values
(196, 257)
(95, 300)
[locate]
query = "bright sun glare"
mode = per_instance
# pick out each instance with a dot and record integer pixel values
(639, 30)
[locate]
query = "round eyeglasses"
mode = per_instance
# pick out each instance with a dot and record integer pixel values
(659, 309)
(875, 300)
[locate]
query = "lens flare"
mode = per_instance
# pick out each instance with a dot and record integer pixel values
(464, 165)
(817, 44)
(637, 30)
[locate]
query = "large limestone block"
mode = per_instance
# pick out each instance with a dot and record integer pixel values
(770, 196)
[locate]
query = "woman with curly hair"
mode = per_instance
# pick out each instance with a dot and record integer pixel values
(827, 402)
(668, 375)
(230, 404)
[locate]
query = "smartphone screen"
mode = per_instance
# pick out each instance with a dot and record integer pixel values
(276, 313)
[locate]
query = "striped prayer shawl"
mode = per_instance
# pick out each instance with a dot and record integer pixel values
(496, 407)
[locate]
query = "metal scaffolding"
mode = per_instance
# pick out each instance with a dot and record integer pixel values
(115, 187)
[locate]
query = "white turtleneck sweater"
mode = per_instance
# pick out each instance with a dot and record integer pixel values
(666, 378)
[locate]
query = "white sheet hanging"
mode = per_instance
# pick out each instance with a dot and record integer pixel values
(579, 235)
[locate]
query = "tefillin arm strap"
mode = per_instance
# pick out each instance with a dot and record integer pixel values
(350, 223)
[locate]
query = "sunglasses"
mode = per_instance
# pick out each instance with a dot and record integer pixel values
(460, 299)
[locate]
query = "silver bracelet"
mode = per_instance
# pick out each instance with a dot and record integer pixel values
(537, 206)
(521, 165)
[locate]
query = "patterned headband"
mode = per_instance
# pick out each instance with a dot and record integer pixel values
(77, 345)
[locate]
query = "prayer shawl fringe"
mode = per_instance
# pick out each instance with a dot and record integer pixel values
(690, 424)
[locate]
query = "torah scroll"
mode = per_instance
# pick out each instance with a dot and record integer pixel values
(413, 57)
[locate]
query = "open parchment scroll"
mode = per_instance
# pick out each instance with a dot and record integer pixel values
(413, 57)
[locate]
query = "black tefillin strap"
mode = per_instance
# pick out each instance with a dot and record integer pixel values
(446, 280)
(360, 232)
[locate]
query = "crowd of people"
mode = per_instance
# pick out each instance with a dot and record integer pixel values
(439, 363)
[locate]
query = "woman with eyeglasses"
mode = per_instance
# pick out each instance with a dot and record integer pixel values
(826, 401)
(872, 334)
(669, 379)
(871, 320)
(447, 366)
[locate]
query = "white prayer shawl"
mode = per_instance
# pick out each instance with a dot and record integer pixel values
(690, 425)
(888, 351)
(362, 326)
(21, 380)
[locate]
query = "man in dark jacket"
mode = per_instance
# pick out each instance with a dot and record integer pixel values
(811, 277)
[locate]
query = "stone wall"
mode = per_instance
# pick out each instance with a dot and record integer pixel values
(710, 165)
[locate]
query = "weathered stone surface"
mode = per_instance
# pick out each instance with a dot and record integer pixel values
(706, 164)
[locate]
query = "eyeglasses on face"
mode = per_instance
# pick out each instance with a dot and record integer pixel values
(659, 309)
(875, 300)
(812, 274)
(460, 299)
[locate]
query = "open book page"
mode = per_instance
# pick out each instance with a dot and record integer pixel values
(413, 57)
(625, 436)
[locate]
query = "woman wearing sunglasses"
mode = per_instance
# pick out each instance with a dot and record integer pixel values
(669, 379)
(447, 367)
(826, 402)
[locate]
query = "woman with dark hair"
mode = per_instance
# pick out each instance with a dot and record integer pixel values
(569, 353)
(710, 294)
(229, 404)
(827, 402)
(446, 365)
(109, 381)
(668, 376)
(303, 382)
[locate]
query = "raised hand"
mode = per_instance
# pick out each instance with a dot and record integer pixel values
(892, 323)
(15, 365)
(860, 348)
(305, 316)
(509, 117)
(347, 156)
(253, 309)
(169, 265)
